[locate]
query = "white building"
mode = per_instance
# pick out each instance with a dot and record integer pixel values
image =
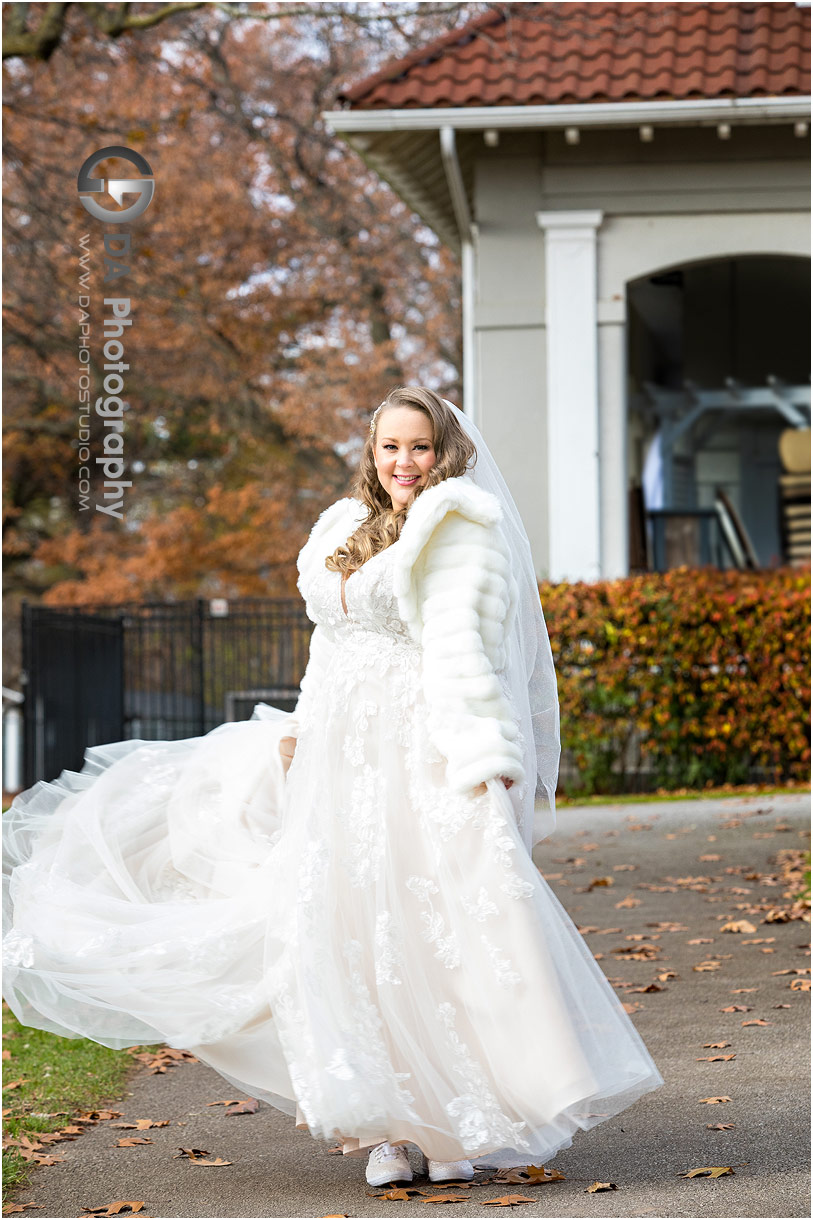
(628, 188)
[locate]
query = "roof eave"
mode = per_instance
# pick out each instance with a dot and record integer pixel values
(366, 131)
(700, 111)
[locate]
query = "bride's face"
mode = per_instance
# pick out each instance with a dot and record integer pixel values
(404, 452)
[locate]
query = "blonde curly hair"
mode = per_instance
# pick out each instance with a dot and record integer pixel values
(454, 454)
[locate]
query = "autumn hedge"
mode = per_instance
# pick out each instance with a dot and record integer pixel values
(687, 678)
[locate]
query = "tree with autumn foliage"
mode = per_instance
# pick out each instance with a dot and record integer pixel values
(279, 288)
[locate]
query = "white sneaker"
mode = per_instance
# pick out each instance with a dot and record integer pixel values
(450, 1171)
(388, 1163)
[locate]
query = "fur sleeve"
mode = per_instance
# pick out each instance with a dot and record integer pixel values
(466, 596)
(333, 526)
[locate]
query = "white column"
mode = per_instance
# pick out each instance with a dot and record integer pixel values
(613, 473)
(572, 394)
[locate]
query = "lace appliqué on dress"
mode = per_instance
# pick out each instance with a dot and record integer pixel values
(447, 948)
(478, 1119)
(389, 949)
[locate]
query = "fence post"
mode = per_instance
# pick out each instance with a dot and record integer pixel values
(198, 668)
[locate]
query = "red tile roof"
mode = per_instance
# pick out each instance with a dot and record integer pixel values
(523, 54)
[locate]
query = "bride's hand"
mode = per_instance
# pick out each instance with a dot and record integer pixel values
(482, 787)
(287, 745)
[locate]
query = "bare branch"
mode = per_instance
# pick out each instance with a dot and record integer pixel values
(118, 22)
(34, 44)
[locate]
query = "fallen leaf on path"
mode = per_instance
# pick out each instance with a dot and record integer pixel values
(446, 1199)
(637, 953)
(736, 1008)
(714, 1058)
(538, 1173)
(743, 990)
(666, 974)
(141, 1124)
(528, 1174)
(250, 1106)
(758, 1021)
(601, 881)
(632, 1007)
(597, 1186)
(166, 1058)
(397, 1193)
(449, 1186)
(706, 966)
(629, 901)
(701, 940)
(738, 925)
(10, 1208)
(131, 1142)
(720, 1126)
(649, 987)
(231, 1101)
(760, 940)
(715, 1046)
(781, 1005)
(793, 970)
(114, 1209)
(197, 1155)
(715, 1171)
(96, 1116)
(713, 1101)
(506, 1201)
(800, 984)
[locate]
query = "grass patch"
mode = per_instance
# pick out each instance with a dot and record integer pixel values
(61, 1074)
(681, 794)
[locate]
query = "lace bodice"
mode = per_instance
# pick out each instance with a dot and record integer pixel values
(368, 592)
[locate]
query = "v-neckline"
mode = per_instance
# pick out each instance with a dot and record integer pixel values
(343, 580)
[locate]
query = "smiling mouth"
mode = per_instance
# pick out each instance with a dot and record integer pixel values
(407, 482)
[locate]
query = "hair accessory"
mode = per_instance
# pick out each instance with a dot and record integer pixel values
(375, 416)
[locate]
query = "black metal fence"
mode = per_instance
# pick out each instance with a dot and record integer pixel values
(152, 671)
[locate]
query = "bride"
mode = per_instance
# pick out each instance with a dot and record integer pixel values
(336, 908)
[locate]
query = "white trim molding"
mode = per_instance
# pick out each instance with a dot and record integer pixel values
(688, 112)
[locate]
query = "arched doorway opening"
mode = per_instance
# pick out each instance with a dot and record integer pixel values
(718, 368)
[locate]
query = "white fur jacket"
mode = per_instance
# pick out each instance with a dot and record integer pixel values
(457, 596)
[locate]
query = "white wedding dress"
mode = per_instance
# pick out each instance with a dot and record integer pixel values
(354, 943)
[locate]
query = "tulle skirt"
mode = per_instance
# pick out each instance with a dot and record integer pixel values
(353, 943)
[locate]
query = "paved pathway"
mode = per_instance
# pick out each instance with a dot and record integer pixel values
(278, 1171)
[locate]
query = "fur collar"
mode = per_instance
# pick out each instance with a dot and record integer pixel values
(460, 495)
(338, 521)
